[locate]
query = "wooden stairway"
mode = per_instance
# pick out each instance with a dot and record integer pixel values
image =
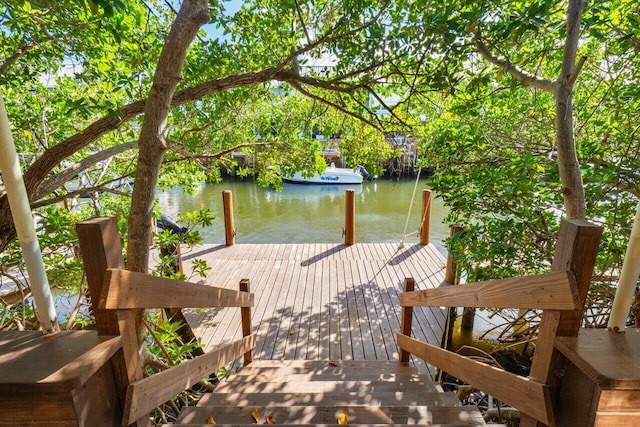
(317, 392)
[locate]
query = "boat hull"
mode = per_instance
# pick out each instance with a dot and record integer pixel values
(331, 176)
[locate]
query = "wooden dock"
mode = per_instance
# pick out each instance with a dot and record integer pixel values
(321, 301)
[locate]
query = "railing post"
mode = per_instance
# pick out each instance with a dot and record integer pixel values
(451, 270)
(576, 251)
(407, 317)
(350, 217)
(100, 248)
(245, 313)
(425, 223)
(229, 227)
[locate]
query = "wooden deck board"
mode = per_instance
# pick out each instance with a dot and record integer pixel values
(321, 301)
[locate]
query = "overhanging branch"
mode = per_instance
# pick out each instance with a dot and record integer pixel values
(517, 73)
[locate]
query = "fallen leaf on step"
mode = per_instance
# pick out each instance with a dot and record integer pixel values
(342, 418)
(270, 420)
(334, 363)
(210, 420)
(256, 415)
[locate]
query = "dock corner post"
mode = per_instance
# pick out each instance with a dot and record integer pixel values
(407, 318)
(229, 227)
(350, 217)
(425, 223)
(245, 314)
(451, 271)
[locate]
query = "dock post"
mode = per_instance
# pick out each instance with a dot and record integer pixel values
(425, 222)
(450, 273)
(350, 217)
(229, 227)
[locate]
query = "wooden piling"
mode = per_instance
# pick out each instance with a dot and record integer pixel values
(450, 272)
(229, 227)
(425, 222)
(350, 217)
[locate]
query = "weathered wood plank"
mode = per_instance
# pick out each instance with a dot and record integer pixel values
(372, 269)
(530, 397)
(549, 291)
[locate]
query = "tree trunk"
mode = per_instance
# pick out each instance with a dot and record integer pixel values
(192, 15)
(569, 168)
(151, 144)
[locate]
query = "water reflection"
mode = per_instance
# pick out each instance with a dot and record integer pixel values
(311, 213)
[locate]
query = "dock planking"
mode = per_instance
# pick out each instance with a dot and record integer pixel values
(321, 301)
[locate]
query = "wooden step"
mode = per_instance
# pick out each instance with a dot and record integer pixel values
(304, 366)
(268, 400)
(336, 425)
(328, 415)
(351, 375)
(314, 393)
(327, 387)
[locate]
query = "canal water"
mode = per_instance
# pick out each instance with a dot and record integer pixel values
(312, 213)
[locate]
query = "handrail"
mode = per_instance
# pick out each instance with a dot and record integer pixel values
(561, 295)
(123, 289)
(530, 397)
(549, 291)
(148, 393)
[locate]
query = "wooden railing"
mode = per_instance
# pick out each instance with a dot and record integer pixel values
(561, 295)
(123, 294)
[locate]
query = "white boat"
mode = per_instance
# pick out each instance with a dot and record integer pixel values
(332, 175)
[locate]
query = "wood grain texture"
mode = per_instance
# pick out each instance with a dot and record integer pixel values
(313, 301)
(609, 359)
(530, 397)
(100, 249)
(550, 291)
(127, 290)
(150, 392)
(53, 363)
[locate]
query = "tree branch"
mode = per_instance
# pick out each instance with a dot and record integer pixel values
(68, 173)
(515, 72)
(297, 86)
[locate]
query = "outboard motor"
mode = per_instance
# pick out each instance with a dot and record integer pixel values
(167, 223)
(365, 174)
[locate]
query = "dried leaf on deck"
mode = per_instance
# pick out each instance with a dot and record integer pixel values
(342, 418)
(270, 420)
(210, 420)
(256, 415)
(334, 363)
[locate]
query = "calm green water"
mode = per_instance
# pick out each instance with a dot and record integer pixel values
(312, 213)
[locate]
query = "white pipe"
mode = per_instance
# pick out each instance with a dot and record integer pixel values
(25, 227)
(628, 279)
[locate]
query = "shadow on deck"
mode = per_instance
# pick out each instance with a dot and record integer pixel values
(321, 301)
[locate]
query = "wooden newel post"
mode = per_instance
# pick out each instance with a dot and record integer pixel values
(451, 271)
(229, 227)
(350, 217)
(407, 317)
(245, 313)
(100, 248)
(425, 223)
